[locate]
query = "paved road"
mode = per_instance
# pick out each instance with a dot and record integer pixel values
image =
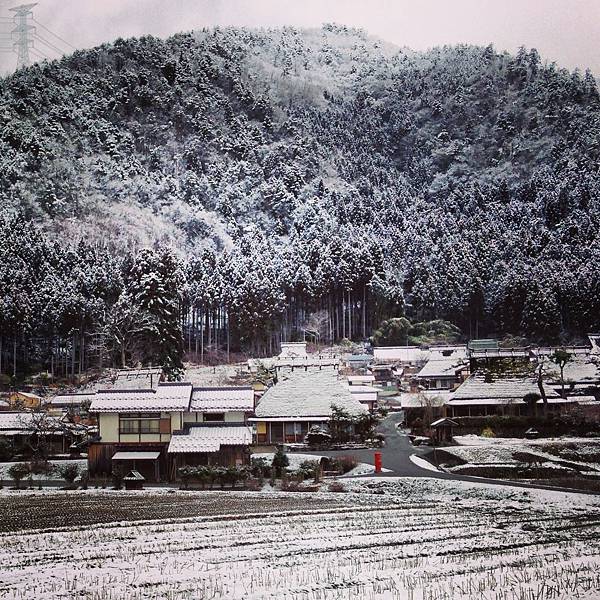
(396, 455)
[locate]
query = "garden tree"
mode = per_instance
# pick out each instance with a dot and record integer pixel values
(561, 358)
(280, 461)
(531, 400)
(17, 472)
(393, 332)
(69, 472)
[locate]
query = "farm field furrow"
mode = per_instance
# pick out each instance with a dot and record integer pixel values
(377, 543)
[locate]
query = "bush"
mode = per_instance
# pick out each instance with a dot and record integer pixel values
(317, 438)
(280, 461)
(7, 450)
(309, 468)
(344, 464)
(69, 473)
(488, 433)
(260, 468)
(117, 477)
(185, 474)
(17, 472)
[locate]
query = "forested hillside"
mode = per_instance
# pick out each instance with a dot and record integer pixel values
(290, 179)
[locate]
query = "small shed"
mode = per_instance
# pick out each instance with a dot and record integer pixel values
(442, 430)
(149, 462)
(134, 481)
(532, 434)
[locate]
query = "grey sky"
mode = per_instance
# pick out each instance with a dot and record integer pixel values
(565, 31)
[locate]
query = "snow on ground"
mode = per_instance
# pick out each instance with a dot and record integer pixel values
(421, 462)
(477, 450)
(387, 538)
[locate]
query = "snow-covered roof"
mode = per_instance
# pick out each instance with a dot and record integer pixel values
(292, 349)
(444, 363)
(222, 399)
(210, 438)
(356, 379)
(307, 394)
(29, 395)
(424, 398)
(444, 421)
(13, 423)
(166, 397)
(136, 456)
(404, 354)
(70, 399)
(502, 388)
(581, 369)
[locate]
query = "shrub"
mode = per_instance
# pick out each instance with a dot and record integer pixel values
(84, 478)
(488, 433)
(7, 450)
(17, 472)
(280, 461)
(316, 437)
(117, 477)
(185, 474)
(69, 473)
(260, 468)
(309, 468)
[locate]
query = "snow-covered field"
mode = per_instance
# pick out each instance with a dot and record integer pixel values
(386, 538)
(557, 453)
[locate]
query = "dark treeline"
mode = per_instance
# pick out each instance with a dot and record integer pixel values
(305, 181)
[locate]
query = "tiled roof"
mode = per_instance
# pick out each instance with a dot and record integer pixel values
(210, 438)
(70, 399)
(167, 397)
(222, 399)
(406, 354)
(307, 394)
(424, 398)
(444, 362)
(499, 388)
(12, 423)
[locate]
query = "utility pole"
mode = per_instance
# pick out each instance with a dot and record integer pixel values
(23, 33)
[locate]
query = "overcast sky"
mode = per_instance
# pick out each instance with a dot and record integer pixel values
(565, 31)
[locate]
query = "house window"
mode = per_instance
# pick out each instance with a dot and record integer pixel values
(139, 423)
(214, 417)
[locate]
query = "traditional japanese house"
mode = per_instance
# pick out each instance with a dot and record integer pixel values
(299, 400)
(137, 428)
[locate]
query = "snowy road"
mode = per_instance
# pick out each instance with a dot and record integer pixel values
(397, 452)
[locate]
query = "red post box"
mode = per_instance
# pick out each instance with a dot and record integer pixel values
(377, 462)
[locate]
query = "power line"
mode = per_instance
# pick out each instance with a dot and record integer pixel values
(54, 34)
(38, 38)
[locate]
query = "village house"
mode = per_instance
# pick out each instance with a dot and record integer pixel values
(361, 380)
(25, 401)
(445, 369)
(407, 356)
(482, 395)
(365, 394)
(300, 400)
(426, 405)
(157, 430)
(28, 431)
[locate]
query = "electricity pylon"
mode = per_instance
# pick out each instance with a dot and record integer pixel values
(23, 33)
